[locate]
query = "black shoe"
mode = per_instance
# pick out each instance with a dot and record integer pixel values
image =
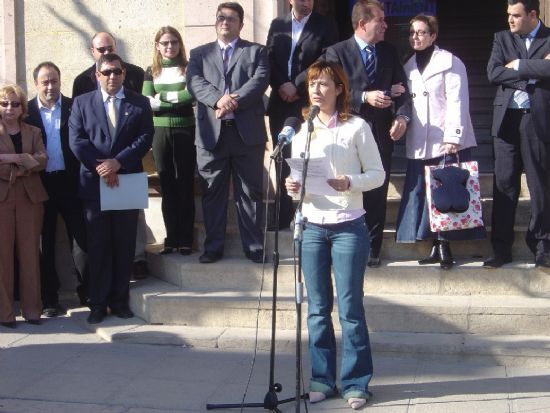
(542, 260)
(433, 258)
(122, 313)
(140, 270)
(82, 293)
(8, 324)
(53, 311)
(373, 261)
(96, 316)
(210, 257)
(166, 250)
(497, 261)
(33, 321)
(256, 256)
(185, 250)
(446, 257)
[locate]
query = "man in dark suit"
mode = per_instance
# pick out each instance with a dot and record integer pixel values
(104, 43)
(294, 42)
(110, 131)
(228, 78)
(50, 111)
(373, 67)
(519, 66)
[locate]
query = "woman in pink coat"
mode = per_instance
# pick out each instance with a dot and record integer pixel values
(22, 156)
(440, 126)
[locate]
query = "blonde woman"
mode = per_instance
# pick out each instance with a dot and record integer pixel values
(173, 144)
(22, 156)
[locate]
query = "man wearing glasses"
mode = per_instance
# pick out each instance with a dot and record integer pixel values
(110, 131)
(104, 43)
(228, 78)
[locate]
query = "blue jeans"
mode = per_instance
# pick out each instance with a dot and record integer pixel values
(345, 246)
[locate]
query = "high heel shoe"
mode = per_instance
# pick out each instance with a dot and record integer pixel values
(446, 257)
(434, 255)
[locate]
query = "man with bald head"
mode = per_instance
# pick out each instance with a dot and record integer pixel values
(104, 43)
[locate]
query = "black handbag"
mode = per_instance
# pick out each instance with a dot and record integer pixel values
(451, 194)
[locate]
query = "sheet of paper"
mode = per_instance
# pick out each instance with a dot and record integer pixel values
(131, 193)
(318, 171)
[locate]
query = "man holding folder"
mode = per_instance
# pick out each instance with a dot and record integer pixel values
(110, 131)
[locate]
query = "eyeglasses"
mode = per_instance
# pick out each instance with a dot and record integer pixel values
(109, 72)
(5, 104)
(419, 33)
(104, 49)
(220, 18)
(169, 42)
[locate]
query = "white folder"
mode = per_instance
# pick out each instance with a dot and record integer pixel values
(131, 193)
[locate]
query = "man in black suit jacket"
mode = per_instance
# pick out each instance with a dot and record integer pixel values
(228, 78)
(49, 111)
(370, 99)
(519, 66)
(104, 43)
(294, 42)
(110, 131)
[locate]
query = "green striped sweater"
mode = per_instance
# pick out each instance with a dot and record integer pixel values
(171, 102)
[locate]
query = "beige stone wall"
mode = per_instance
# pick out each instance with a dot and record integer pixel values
(60, 30)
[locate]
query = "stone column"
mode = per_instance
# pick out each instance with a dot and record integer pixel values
(8, 60)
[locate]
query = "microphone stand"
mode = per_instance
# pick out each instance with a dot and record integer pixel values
(271, 401)
(299, 222)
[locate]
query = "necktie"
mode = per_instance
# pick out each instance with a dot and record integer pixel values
(226, 56)
(370, 63)
(112, 115)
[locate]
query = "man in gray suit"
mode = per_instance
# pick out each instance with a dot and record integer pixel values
(228, 78)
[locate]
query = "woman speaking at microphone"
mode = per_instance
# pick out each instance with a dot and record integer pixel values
(335, 235)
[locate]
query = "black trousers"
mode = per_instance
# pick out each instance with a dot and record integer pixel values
(111, 247)
(176, 160)
(374, 202)
(518, 149)
(65, 203)
(286, 211)
(244, 165)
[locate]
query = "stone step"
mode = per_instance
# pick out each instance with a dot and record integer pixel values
(397, 277)
(506, 350)
(391, 250)
(162, 303)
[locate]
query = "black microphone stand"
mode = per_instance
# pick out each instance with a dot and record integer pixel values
(299, 222)
(271, 401)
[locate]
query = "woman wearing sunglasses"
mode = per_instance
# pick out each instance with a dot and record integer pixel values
(336, 236)
(173, 144)
(440, 126)
(22, 156)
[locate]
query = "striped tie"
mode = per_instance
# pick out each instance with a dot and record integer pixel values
(370, 63)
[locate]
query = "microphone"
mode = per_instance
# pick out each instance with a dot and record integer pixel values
(291, 127)
(313, 112)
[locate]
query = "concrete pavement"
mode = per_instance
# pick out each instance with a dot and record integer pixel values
(62, 366)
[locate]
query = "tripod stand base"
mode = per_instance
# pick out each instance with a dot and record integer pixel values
(270, 403)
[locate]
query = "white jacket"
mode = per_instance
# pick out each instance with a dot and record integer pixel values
(441, 107)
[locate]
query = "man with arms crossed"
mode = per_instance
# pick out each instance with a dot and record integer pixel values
(519, 66)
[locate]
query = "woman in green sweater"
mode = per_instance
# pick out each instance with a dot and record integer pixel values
(173, 145)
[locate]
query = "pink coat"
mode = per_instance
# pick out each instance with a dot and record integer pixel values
(441, 107)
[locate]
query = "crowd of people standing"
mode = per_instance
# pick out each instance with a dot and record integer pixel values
(206, 114)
